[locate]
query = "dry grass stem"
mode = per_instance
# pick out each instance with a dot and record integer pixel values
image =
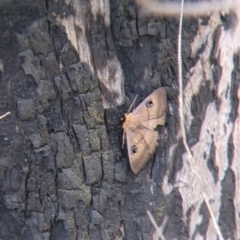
(159, 230)
(182, 124)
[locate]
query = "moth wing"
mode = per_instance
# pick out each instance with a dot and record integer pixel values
(153, 114)
(143, 141)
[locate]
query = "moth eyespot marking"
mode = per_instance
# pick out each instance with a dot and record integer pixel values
(134, 149)
(149, 103)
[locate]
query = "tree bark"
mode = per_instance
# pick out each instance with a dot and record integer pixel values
(65, 69)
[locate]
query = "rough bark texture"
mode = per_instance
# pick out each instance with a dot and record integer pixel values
(63, 174)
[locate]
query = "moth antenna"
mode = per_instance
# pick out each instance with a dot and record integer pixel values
(132, 104)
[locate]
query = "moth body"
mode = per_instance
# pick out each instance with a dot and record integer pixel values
(131, 121)
(139, 126)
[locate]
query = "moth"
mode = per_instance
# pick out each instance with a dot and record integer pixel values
(138, 128)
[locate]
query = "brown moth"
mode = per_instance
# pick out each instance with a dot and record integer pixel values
(138, 127)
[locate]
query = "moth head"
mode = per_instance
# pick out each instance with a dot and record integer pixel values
(134, 149)
(149, 103)
(127, 120)
(124, 119)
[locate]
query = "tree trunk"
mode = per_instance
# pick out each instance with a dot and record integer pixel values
(65, 67)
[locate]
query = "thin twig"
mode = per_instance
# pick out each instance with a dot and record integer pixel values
(190, 9)
(5, 115)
